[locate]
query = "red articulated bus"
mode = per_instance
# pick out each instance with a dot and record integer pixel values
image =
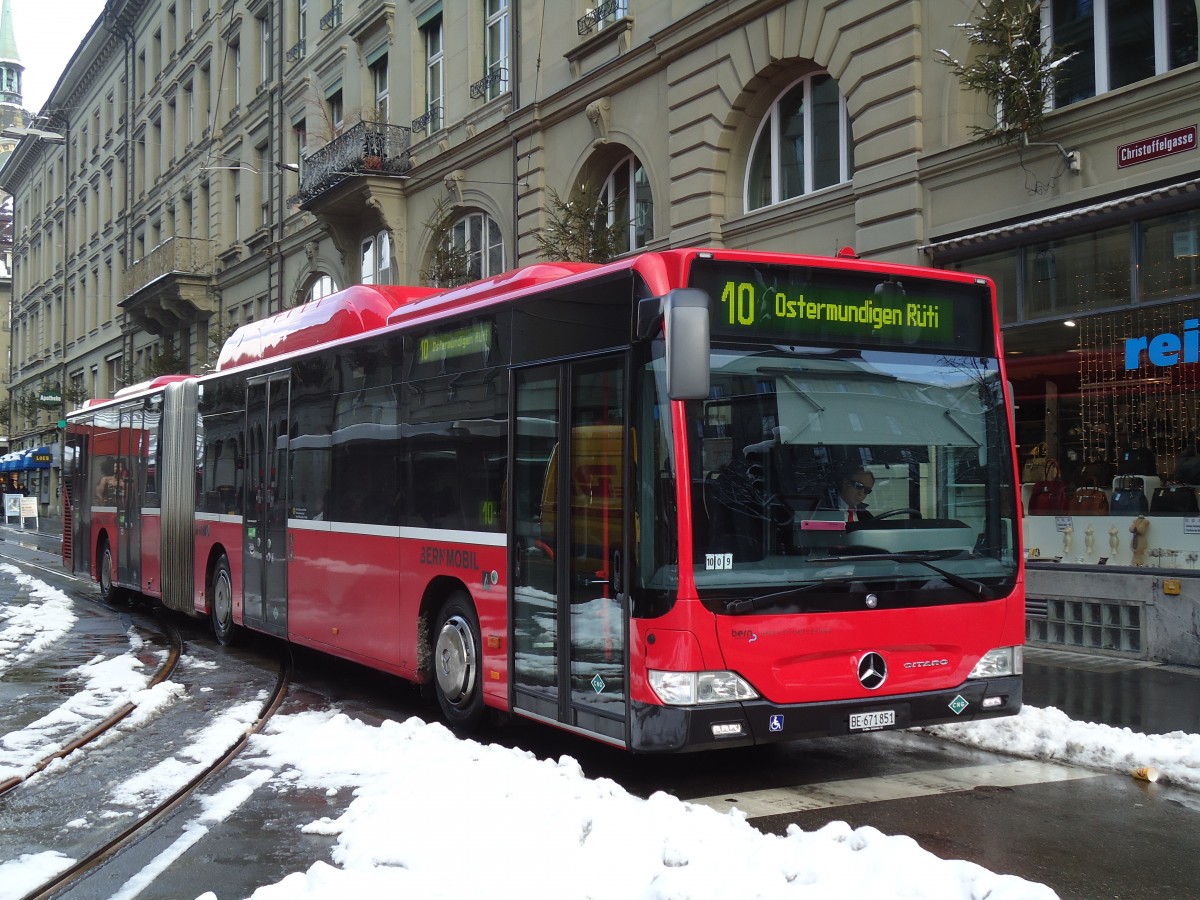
(597, 496)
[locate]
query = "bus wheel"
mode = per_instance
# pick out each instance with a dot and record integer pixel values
(109, 591)
(456, 663)
(220, 603)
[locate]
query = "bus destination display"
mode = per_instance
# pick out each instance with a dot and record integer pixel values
(795, 305)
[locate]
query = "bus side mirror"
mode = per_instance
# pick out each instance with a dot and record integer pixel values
(685, 323)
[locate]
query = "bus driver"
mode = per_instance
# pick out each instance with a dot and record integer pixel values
(849, 494)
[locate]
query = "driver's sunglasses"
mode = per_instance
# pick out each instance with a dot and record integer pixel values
(860, 486)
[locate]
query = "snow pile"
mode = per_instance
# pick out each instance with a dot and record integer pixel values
(33, 626)
(1049, 734)
(426, 801)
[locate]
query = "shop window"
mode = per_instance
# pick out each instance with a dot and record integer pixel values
(1002, 269)
(1169, 256)
(1074, 274)
(803, 144)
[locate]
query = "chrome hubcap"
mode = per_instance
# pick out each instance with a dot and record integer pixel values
(455, 660)
(222, 600)
(106, 570)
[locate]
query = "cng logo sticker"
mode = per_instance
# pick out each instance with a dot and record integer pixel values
(597, 683)
(958, 704)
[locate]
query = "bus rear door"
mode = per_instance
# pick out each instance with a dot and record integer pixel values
(266, 539)
(130, 475)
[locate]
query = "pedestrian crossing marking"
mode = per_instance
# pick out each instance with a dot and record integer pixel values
(904, 786)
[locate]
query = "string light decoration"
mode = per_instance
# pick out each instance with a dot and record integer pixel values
(1151, 406)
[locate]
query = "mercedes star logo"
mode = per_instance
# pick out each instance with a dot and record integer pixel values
(872, 671)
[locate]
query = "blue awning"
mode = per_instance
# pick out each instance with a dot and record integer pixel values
(37, 459)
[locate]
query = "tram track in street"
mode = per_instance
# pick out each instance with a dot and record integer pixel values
(30, 802)
(97, 731)
(151, 818)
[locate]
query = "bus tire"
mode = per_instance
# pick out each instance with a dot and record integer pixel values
(105, 562)
(220, 603)
(457, 679)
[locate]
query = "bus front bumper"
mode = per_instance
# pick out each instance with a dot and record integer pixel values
(660, 729)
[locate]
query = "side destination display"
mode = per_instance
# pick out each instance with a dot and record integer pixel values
(806, 306)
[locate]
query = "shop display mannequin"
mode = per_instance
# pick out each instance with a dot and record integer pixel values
(1138, 544)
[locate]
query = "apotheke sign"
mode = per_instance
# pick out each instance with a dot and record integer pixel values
(1156, 147)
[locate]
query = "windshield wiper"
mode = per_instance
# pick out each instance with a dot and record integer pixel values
(975, 588)
(750, 604)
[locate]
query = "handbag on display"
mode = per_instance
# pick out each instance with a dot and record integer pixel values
(1187, 467)
(1048, 498)
(1089, 500)
(1039, 466)
(1174, 499)
(1129, 496)
(1137, 461)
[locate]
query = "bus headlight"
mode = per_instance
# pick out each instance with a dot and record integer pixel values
(999, 662)
(690, 688)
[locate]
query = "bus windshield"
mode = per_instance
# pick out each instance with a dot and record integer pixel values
(842, 472)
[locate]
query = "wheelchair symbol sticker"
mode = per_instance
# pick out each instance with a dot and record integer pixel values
(776, 723)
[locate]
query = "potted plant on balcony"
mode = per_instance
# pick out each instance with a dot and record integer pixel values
(374, 143)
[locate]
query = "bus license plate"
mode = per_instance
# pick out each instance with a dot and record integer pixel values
(885, 718)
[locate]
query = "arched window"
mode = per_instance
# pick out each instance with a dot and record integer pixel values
(626, 194)
(478, 234)
(322, 286)
(803, 144)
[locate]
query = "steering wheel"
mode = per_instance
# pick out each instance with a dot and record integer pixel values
(780, 511)
(912, 513)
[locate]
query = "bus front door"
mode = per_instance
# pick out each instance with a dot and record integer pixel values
(568, 624)
(265, 554)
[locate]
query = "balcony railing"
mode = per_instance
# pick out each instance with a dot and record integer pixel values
(333, 18)
(190, 256)
(603, 14)
(431, 121)
(367, 148)
(483, 87)
(297, 52)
